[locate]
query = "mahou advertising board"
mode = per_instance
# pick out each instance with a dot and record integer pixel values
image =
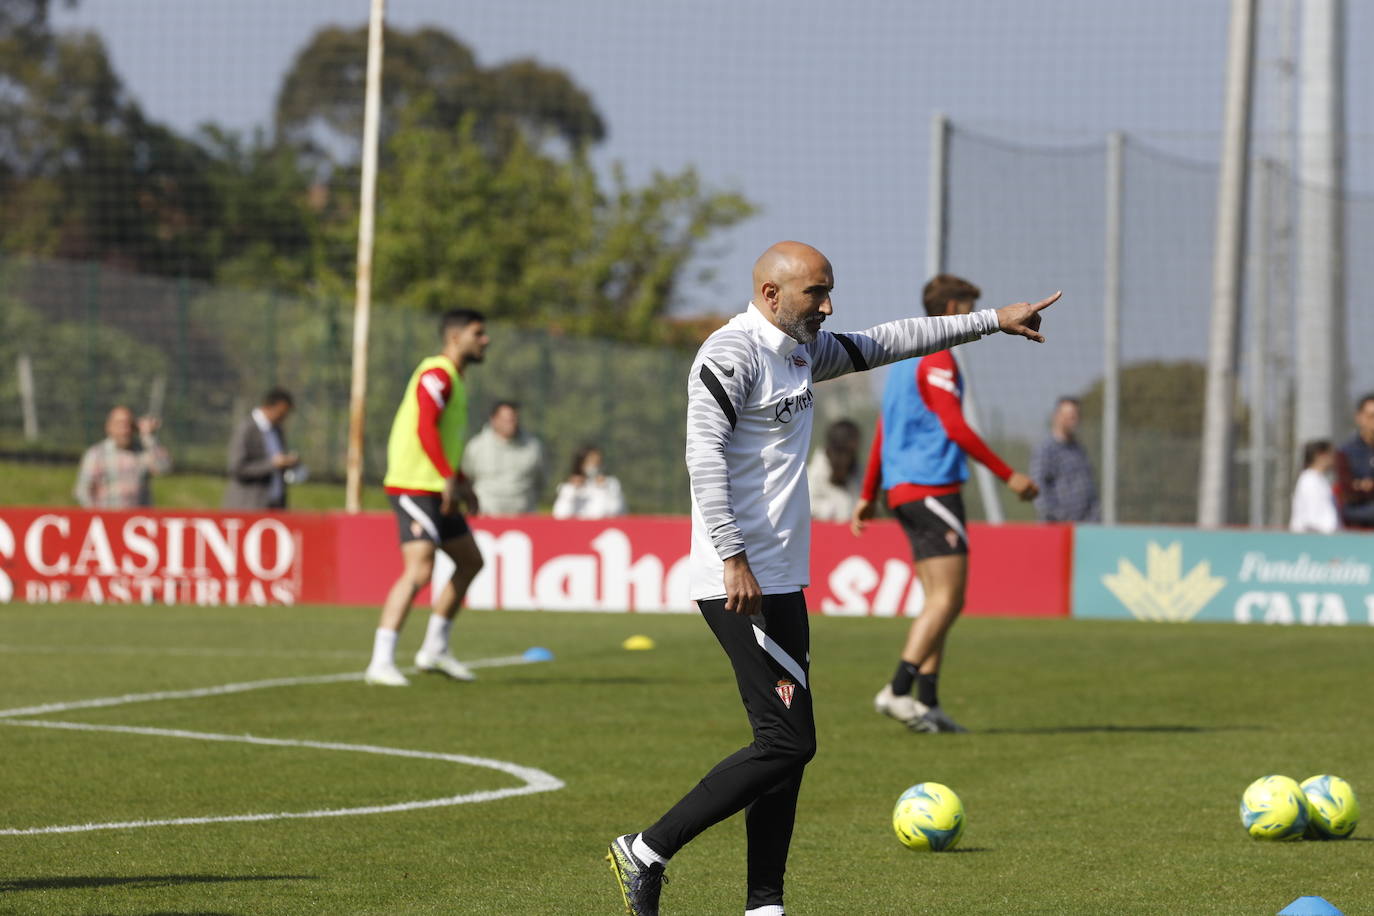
(634, 564)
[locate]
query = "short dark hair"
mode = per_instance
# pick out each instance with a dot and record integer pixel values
(1312, 449)
(944, 288)
(457, 319)
(277, 395)
(513, 405)
(1359, 405)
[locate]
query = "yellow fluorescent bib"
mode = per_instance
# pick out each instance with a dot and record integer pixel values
(407, 465)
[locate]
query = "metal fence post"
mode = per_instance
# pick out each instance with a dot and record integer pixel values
(937, 227)
(1111, 325)
(89, 421)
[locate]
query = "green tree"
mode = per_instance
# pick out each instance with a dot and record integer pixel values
(1160, 437)
(1156, 396)
(83, 174)
(320, 105)
(533, 238)
(271, 215)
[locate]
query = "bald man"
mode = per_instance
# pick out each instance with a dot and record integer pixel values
(749, 415)
(115, 472)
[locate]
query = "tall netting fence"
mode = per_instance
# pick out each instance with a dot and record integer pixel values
(179, 214)
(76, 339)
(1024, 220)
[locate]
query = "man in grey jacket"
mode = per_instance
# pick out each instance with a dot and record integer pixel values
(258, 459)
(506, 464)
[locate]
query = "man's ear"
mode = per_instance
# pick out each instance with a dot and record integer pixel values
(769, 292)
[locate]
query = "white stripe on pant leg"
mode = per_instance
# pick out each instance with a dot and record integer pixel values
(946, 516)
(780, 655)
(424, 521)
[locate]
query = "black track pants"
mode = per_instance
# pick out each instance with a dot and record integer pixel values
(770, 653)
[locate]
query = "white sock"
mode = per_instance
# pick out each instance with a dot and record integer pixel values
(643, 853)
(773, 909)
(384, 649)
(436, 635)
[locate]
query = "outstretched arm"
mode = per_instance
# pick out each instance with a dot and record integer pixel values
(838, 354)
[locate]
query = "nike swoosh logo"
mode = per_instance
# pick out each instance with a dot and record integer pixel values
(728, 373)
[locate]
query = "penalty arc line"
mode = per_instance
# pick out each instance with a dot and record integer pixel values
(535, 780)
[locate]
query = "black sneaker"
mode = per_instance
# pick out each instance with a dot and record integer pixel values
(640, 882)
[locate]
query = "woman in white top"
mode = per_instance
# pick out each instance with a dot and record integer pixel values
(833, 474)
(1314, 502)
(588, 493)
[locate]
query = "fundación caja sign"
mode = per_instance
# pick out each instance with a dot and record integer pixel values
(1178, 574)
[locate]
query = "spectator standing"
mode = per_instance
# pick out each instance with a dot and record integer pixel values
(505, 463)
(588, 493)
(1355, 469)
(115, 472)
(258, 460)
(833, 474)
(1062, 471)
(1314, 501)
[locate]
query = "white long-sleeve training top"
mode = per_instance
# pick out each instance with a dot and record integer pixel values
(749, 415)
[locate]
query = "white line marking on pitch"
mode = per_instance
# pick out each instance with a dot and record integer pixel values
(535, 780)
(223, 689)
(16, 649)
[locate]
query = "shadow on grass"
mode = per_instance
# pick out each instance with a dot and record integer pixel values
(86, 881)
(1120, 729)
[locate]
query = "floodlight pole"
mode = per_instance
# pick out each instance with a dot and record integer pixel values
(1320, 326)
(1218, 426)
(1260, 367)
(362, 307)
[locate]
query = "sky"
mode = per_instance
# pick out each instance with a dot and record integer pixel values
(818, 112)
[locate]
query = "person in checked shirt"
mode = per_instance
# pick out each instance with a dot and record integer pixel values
(1060, 468)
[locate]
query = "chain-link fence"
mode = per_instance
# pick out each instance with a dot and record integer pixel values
(1028, 220)
(201, 356)
(604, 175)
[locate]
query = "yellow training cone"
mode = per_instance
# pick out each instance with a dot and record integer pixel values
(638, 642)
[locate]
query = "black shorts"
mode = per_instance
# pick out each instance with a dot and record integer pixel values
(934, 526)
(418, 519)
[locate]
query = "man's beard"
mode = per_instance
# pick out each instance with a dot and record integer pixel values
(796, 327)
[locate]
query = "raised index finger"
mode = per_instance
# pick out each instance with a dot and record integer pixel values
(1047, 301)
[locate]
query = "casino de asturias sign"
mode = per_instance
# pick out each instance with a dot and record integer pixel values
(1181, 574)
(213, 558)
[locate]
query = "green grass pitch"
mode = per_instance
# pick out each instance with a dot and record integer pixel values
(1102, 776)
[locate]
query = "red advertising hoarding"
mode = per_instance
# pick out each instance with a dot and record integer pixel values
(627, 564)
(158, 557)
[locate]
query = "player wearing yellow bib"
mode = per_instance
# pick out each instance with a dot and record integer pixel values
(426, 490)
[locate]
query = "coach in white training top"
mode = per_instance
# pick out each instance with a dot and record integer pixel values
(749, 415)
